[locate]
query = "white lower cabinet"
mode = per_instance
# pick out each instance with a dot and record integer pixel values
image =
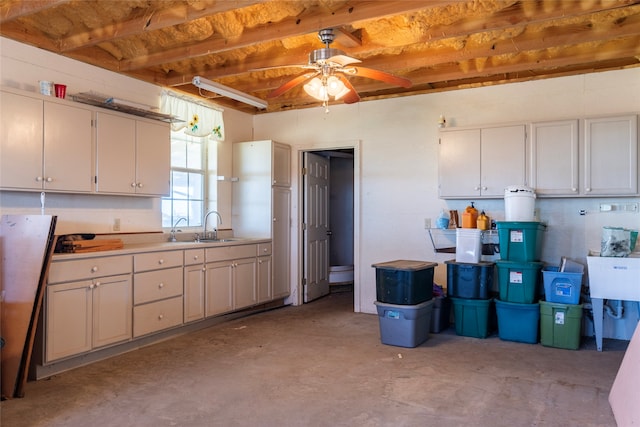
(230, 278)
(88, 314)
(157, 291)
(264, 273)
(194, 276)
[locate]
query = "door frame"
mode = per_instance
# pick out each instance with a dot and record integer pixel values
(298, 293)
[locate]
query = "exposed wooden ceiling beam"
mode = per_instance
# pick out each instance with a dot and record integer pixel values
(156, 19)
(14, 10)
(310, 22)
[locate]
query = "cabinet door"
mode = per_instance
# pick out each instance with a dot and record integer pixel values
(459, 164)
(218, 292)
(281, 165)
(67, 148)
(194, 281)
(281, 239)
(111, 310)
(264, 288)
(115, 158)
(611, 156)
(554, 158)
(502, 159)
(153, 158)
(245, 282)
(69, 319)
(21, 133)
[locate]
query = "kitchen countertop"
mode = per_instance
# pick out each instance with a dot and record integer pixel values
(155, 246)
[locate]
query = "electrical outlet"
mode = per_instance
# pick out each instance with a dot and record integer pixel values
(427, 223)
(116, 224)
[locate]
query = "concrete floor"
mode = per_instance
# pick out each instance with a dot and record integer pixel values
(323, 365)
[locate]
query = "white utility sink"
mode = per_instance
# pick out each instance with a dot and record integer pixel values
(611, 278)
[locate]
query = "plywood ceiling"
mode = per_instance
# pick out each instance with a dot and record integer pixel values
(438, 45)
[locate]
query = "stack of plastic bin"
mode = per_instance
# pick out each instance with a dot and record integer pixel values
(561, 313)
(519, 280)
(469, 288)
(404, 291)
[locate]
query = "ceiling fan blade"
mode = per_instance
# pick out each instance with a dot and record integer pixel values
(380, 75)
(352, 97)
(291, 84)
(343, 60)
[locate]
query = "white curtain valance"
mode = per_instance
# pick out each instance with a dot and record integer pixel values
(199, 120)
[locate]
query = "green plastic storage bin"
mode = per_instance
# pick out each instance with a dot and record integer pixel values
(518, 322)
(519, 281)
(520, 240)
(560, 325)
(471, 317)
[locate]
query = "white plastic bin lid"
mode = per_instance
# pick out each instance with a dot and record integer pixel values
(520, 190)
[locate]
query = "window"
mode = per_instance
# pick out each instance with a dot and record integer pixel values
(193, 160)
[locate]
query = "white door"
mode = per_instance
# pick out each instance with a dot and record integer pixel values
(316, 227)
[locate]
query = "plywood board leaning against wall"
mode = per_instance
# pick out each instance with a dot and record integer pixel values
(26, 246)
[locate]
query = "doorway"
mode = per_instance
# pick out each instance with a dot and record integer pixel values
(328, 216)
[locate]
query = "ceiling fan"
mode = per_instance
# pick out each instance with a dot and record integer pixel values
(328, 78)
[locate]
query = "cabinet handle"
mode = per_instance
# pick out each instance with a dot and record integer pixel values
(161, 285)
(139, 185)
(204, 268)
(91, 286)
(259, 261)
(94, 269)
(161, 316)
(476, 188)
(587, 189)
(49, 179)
(160, 261)
(274, 220)
(133, 185)
(484, 188)
(574, 189)
(97, 284)
(195, 257)
(39, 179)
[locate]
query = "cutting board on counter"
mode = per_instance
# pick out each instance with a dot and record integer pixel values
(26, 247)
(79, 246)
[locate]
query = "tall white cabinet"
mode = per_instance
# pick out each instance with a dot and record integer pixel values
(261, 203)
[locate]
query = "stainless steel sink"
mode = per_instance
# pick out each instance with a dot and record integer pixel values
(218, 240)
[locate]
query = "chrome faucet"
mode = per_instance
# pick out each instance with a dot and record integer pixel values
(214, 234)
(172, 234)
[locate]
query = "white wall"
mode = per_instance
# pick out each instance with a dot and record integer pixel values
(22, 66)
(398, 141)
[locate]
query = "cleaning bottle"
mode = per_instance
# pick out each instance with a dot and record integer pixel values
(470, 217)
(483, 221)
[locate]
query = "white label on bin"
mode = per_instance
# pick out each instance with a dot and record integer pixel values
(563, 290)
(559, 318)
(515, 277)
(516, 236)
(393, 314)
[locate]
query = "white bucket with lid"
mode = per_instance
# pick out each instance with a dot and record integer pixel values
(519, 203)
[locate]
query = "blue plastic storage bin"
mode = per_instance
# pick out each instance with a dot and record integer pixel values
(518, 322)
(561, 287)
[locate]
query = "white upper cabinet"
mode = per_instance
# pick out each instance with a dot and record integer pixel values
(45, 145)
(133, 156)
(554, 158)
(481, 162)
(611, 156)
(599, 158)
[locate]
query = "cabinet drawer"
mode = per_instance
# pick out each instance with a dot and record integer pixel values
(157, 316)
(156, 260)
(66, 271)
(156, 285)
(231, 252)
(193, 256)
(264, 249)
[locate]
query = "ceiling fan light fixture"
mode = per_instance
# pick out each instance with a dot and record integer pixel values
(317, 89)
(334, 86)
(322, 89)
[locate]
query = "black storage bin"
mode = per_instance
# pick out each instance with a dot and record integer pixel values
(440, 315)
(469, 280)
(404, 282)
